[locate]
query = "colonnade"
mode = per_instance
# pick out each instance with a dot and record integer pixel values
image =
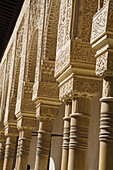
(50, 60)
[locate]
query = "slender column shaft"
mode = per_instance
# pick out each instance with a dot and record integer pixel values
(80, 119)
(2, 150)
(65, 146)
(23, 149)
(106, 126)
(9, 152)
(43, 144)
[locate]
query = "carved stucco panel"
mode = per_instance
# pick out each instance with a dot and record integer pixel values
(99, 23)
(62, 58)
(101, 64)
(86, 86)
(27, 104)
(66, 89)
(90, 8)
(47, 71)
(36, 14)
(82, 52)
(48, 89)
(64, 26)
(104, 64)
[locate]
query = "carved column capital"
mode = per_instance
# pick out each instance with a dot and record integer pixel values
(11, 129)
(47, 111)
(79, 86)
(26, 121)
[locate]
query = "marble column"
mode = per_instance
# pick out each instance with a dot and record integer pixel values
(43, 144)
(9, 152)
(79, 128)
(66, 134)
(106, 126)
(2, 149)
(23, 149)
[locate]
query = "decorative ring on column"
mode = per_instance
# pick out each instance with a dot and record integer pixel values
(79, 132)
(105, 99)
